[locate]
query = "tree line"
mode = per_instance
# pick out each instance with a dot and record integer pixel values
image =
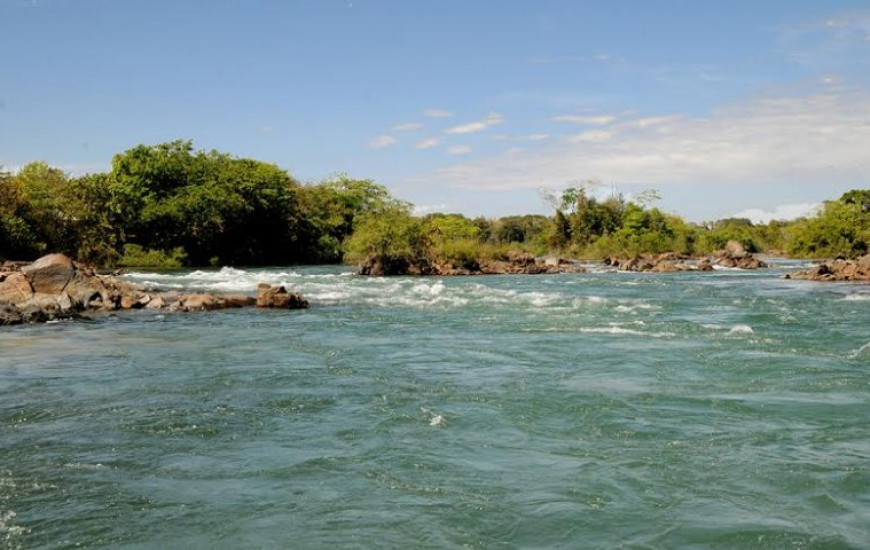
(169, 205)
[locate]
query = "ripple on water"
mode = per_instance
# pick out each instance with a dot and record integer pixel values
(599, 410)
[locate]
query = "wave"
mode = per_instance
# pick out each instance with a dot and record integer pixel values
(741, 329)
(860, 297)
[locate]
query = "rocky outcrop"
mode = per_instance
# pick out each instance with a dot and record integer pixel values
(663, 263)
(54, 287)
(735, 256)
(516, 263)
(836, 270)
(277, 297)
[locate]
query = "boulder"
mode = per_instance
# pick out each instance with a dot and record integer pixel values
(50, 274)
(836, 270)
(10, 315)
(269, 296)
(380, 266)
(15, 289)
(734, 249)
(705, 265)
(199, 302)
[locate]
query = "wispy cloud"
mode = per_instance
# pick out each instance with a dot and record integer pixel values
(459, 150)
(492, 119)
(428, 143)
(833, 42)
(592, 136)
(383, 141)
(653, 121)
(596, 120)
(437, 113)
(407, 127)
(816, 139)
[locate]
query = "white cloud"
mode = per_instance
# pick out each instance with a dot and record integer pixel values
(653, 121)
(437, 113)
(469, 128)
(492, 119)
(596, 120)
(407, 127)
(428, 143)
(424, 209)
(592, 136)
(382, 141)
(815, 139)
(537, 137)
(459, 150)
(783, 212)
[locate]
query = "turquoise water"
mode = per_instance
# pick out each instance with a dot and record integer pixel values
(603, 410)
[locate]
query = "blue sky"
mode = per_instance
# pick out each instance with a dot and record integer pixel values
(739, 107)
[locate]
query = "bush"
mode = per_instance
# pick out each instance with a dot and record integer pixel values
(136, 256)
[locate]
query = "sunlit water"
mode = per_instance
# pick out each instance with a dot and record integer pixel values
(602, 410)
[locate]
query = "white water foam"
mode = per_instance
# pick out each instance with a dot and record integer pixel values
(741, 329)
(865, 349)
(856, 298)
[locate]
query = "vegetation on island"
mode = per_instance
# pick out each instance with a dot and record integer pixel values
(169, 205)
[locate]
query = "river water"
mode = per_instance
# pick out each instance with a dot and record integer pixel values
(598, 410)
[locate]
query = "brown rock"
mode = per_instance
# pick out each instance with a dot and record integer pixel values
(269, 296)
(10, 315)
(156, 302)
(15, 289)
(735, 249)
(199, 302)
(50, 274)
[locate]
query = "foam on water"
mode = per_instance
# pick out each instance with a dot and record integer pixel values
(857, 297)
(504, 408)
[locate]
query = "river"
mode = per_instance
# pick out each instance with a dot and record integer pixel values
(598, 410)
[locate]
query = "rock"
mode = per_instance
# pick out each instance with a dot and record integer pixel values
(156, 302)
(15, 289)
(556, 262)
(705, 265)
(90, 291)
(269, 296)
(50, 274)
(10, 315)
(836, 270)
(735, 249)
(54, 287)
(199, 302)
(382, 266)
(231, 301)
(518, 257)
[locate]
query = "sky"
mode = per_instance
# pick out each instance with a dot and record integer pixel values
(738, 108)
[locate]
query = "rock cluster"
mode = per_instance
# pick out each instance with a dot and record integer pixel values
(836, 270)
(734, 255)
(55, 287)
(517, 263)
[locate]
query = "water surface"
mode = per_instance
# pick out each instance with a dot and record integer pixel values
(602, 410)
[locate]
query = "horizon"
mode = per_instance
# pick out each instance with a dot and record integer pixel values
(730, 111)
